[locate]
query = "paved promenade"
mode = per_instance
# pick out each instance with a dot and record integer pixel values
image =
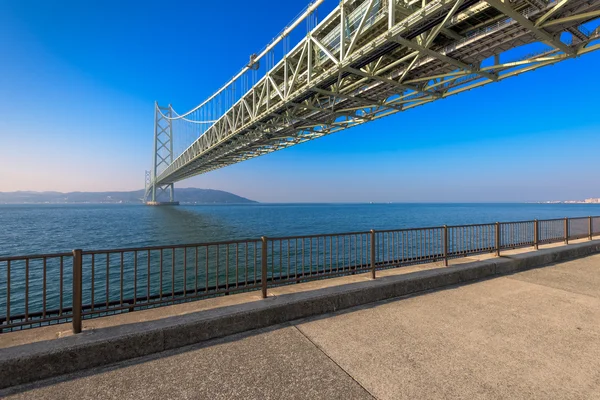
(531, 335)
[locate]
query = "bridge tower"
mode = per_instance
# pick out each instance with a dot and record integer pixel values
(161, 195)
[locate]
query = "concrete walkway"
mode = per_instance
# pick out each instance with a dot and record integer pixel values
(532, 335)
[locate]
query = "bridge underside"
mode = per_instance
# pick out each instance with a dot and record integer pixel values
(373, 58)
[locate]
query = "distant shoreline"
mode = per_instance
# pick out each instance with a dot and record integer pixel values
(187, 203)
(183, 195)
(138, 203)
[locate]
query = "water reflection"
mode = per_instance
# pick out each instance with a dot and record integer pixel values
(180, 225)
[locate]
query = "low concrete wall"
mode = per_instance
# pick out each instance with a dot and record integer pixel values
(35, 361)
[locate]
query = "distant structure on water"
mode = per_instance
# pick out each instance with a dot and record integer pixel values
(591, 200)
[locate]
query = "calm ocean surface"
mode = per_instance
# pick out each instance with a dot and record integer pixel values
(31, 229)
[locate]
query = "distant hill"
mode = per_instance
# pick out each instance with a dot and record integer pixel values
(184, 195)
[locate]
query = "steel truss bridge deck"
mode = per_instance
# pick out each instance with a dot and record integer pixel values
(372, 58)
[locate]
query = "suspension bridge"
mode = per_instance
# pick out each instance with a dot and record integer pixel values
(365, 60)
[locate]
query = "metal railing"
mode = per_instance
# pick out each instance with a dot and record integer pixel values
(46, 289)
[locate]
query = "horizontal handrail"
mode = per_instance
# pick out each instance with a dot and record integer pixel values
(35, 256)
(409, 229)
(43, 289)
(470, 225)
(520, 222)
(173, 246)
(318, 235)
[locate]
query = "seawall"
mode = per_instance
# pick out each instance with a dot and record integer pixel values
(43, 359)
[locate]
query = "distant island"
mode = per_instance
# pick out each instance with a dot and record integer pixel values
(183, 195)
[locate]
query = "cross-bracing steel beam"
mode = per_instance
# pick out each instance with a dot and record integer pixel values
(506, 9)
(367, 60)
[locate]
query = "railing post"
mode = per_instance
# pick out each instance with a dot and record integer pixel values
(263, 263)
(446, 245)
(77, 289)
(372, 254)
(566, 230)
(591, 229)
(497, 239)
(536, 234)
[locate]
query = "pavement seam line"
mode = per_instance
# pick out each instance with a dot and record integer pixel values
(553, 287)
(333, 361)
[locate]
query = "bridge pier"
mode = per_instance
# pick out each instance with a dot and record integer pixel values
(162, 203)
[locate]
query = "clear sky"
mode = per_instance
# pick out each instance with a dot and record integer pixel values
(78, 80)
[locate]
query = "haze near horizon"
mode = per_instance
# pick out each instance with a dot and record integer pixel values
(77, 104)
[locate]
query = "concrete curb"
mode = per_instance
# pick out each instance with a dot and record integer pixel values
(41, 360)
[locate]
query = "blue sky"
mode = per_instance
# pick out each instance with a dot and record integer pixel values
(78, 81)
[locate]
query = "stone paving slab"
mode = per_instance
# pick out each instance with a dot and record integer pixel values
(579, 277)
(268, 364)
(504, 338)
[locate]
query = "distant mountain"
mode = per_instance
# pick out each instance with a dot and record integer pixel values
(184, 195)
